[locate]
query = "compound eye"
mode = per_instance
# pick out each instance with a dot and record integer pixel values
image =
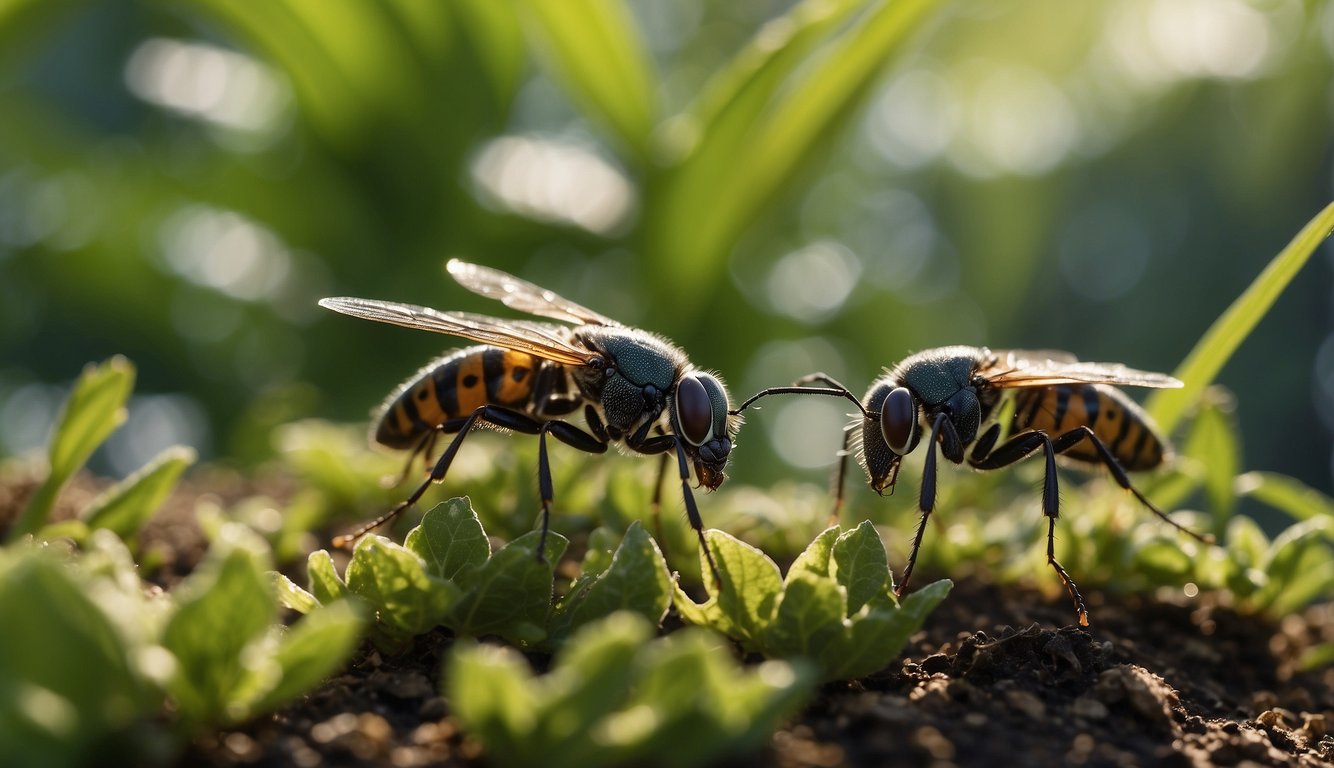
(694, 410)
(898, 420)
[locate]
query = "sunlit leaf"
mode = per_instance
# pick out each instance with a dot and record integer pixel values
(95, 407)
(451, 541)
(594, 48)
(1286, 493)
(221, 609)
(407, 599)
(862, 565)
(125, 507)
(512, 594)
(637, 581)
(764, 146)
(323, 580)
(1213, 350)
(312, 650)
(290, 595)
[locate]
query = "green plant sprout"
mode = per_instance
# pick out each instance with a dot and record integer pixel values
(446, 575)
(89, 658)
(616, 696)
(836, 606)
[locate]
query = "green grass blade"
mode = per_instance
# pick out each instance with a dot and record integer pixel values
(95, 407)
(127, 506)
(1198, 370)
(780, 135)
(1289, 494)
(595, 50)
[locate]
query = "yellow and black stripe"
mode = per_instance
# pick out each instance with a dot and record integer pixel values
(1110, 413)
(452, 387)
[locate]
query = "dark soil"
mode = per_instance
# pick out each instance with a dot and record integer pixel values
(996, 676)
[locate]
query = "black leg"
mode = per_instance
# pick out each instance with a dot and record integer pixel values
(927, 500)
(655, 504)
(506, 419)
(841, 475)
(661, 444)
(692, 512)
(1072, 438)
(1016, 449)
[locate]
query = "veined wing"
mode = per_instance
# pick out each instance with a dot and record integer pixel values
(522, 295)
(1023, 368)
(550, 342)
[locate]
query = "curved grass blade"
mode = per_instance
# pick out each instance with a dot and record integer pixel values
(127, 506)
(594, 48)
(1212, 351)
(95, 408)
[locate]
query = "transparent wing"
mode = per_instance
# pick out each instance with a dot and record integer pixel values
(1015, 368)
(522, 295)
(549, 342)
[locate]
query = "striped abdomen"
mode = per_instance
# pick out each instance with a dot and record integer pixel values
(1110, 413)
(452, 387)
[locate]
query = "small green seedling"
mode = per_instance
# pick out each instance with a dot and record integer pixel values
(615, 696)
(93, 410)
(836, 607)
(446, 575)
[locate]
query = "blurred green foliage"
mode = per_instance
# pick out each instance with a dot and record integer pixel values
(762, 182)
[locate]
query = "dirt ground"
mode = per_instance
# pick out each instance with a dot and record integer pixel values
(997, 675)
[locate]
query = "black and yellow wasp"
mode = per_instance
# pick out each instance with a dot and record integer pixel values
(992, 409)
(630, 386)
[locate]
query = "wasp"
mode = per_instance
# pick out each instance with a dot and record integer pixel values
(992, 409)
(631, 387)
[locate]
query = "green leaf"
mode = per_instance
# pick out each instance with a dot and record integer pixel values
(810, 618)
(310, 652)
(324, 582)
(221, 609)
(637, 581)
(1300, 567)
(451, 541)
(290, 595)
(1288, 494)
(879, 635)
(126, 506)
(490, 688)
(408, 601)
(1213, 350)
(95, 407)
(765, 142)
(1213, 444)
(69, 692)
(594, 49)
(861, 565)
(512, 594)
(751, 584)
(815, 557)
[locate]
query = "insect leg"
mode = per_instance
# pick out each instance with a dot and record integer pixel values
(927, 500)
(841, 475)
(423, 448)
(655, 505)
(572, 436)
(1013, 451)
(1072, 438)
(662, 444)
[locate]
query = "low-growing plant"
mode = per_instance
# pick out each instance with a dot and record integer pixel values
(93, 410)
(89, 657)
(445, 574)
(836, 606)
(615, 696)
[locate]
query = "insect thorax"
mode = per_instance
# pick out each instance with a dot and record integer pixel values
(641, 372)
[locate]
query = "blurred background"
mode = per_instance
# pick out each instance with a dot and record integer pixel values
(778, 187)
